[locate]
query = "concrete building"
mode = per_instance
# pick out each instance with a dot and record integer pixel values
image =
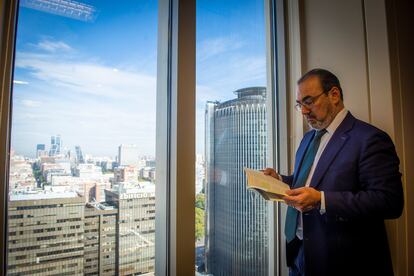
(136, 228)
(100, 240)
(21, 176)
(88, 171)
(126, 174)
(236, 219)
(128, 155)
(45, 234)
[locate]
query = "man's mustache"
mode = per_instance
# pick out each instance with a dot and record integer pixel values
(310, 116)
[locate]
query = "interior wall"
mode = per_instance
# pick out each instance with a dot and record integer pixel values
(350, 38)
(401, 41)
(333, 38)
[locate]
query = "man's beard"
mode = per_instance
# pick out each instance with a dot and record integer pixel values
(320, 124)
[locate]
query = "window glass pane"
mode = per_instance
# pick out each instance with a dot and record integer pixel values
(231, 222)
(82, 163)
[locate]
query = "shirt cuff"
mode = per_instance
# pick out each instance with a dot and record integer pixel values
(322, 210)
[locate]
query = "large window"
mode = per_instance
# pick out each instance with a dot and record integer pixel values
(81, 190)
(104, 92)
(232, 223)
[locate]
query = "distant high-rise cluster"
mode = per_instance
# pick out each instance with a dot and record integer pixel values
(236, 224)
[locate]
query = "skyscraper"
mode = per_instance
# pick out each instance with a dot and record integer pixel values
(55, 145)
(40, 150)
(236, 219)
(79, 155)
(128, 155)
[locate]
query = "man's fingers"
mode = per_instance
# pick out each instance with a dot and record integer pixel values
(271, 172)
(268, 171)
(295, 198)
(294, 192)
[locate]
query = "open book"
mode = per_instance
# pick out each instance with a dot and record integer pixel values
(268, 187)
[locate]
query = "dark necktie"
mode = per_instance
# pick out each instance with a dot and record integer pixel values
(292, 214)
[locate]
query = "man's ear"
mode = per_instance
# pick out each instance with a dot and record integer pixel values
(335, 94)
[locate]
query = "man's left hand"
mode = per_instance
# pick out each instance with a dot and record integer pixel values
(303, 199)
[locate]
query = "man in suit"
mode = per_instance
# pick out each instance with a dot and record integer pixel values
(346, 181)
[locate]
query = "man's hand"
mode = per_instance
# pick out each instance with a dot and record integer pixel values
(303, 199)
(272, 173)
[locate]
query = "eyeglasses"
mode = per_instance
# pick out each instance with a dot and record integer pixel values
(308, 102)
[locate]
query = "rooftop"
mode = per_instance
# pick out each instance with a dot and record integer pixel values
(37, 195)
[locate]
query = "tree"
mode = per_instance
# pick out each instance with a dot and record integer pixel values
(200, 201)
(199, 223)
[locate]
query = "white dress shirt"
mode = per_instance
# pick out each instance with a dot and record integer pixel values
(330, 130)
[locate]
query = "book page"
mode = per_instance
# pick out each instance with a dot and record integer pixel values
(267, 195)
(257, 180)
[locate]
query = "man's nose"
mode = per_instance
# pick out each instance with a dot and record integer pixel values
(304, 110)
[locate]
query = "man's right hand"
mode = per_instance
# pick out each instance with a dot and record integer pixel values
(272, 173)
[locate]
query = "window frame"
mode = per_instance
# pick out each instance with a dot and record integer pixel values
(277, 120)
(175, 149)
(8, 19)
(175, 144)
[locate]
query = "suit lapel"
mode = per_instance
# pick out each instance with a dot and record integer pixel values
(335, 144)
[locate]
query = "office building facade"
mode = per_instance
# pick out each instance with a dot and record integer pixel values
(40, 150)
(236, 219)
(128, 155)
(55, 145)
(100, 240)
(136, 228)
(45, 234)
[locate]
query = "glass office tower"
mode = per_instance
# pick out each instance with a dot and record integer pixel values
(236, 219)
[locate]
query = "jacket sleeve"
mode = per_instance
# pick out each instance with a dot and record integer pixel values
(379, 193)
(288, 179)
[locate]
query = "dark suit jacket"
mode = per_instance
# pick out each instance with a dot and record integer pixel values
(359, 174)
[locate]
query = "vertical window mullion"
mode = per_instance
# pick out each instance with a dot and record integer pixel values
(175, 138)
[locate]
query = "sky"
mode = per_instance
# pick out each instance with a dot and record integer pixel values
(94, 81)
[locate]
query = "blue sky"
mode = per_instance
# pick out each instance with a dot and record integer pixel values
(94, 83)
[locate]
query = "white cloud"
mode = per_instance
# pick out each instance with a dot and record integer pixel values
(30, 103)
(87, 77)
(215, 46)
(53, 46)
(98, 106)
(20, 82)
